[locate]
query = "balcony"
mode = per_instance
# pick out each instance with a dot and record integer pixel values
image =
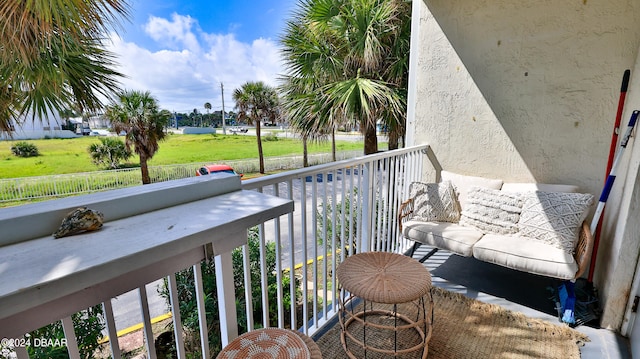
(313, 218)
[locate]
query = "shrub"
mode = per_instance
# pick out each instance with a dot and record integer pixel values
(109, 152)
(270, 136)
(88, 326)
(25, 149)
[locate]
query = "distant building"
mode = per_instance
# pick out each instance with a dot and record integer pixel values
(51, 127)
(55, 127)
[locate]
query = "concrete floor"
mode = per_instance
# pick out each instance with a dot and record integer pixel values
(517, 291)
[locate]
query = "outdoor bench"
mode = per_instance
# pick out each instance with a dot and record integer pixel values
(531, 227)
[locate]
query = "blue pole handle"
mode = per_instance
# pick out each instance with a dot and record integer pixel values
(634, 117)
(607, 189)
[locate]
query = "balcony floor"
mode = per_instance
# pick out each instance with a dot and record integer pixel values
(517, 291)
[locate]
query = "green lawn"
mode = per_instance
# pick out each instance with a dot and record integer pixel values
(58, 156)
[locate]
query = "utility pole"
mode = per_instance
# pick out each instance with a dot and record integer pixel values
(224, 129)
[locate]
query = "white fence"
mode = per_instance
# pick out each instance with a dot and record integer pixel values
(26, 188)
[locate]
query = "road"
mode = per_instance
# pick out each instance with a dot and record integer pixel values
(323, 185)
(126, 307)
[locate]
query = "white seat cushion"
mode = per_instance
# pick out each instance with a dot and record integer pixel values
(445, 235)
(527, 255)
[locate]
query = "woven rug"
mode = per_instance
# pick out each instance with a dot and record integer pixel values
(467, 328)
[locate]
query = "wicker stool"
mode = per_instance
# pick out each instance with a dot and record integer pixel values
(272, 343)
(387, 284)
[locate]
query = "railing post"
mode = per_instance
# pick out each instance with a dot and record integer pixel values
(21, 352)
(146, 320)
(202, 311)
(111, 329)
(227, 295)
(70, 334)
(367, 208)
(177, 320)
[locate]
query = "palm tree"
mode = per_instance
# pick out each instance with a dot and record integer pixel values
(109, 152)
(355, 52)
(138, 114)
(194, 115)
(52, 57)
(207, 106)
(256, 101)
(302, 103)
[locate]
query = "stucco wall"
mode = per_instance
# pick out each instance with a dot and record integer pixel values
(526, 91)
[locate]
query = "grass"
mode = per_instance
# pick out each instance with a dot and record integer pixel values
(60, 156)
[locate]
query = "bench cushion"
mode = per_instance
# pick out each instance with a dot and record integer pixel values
(526, 254)
(532, 187)
(462, 184)
(445, 235)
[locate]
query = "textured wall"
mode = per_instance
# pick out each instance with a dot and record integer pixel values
(526, 91)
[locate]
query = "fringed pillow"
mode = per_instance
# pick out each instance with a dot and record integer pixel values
(434, 202)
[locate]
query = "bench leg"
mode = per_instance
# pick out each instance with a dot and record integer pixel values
(415, 246)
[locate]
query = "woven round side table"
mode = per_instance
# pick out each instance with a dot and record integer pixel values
(378, 291)
(271, 343)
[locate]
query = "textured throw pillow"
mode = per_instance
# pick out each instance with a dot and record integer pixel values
(554, 218)
(491, 210)
(434, 202)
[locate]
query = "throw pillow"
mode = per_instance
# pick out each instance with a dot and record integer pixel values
(491, 210)
(434, 202)
(554, 217)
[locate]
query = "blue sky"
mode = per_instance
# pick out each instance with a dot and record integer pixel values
(181, 51)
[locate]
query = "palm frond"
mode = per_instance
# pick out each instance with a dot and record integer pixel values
(51, 57)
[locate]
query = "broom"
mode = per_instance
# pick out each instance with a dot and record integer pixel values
(612, 151)
(566, 290)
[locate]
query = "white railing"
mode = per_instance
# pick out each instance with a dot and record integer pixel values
(25, 188)
(340, 208)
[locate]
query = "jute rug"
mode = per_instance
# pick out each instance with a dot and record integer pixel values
(467, 328)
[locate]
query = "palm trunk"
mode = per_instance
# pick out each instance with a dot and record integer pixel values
(305, 152)
(394, 139)
(144, 169)
(370, 138)
(333, 143)
(260, 154)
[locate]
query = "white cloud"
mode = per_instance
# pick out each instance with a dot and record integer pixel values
(177, 33)
(188, 71)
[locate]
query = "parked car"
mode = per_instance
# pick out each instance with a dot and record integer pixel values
(99, 133)
(235, 130)
(209, 169)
